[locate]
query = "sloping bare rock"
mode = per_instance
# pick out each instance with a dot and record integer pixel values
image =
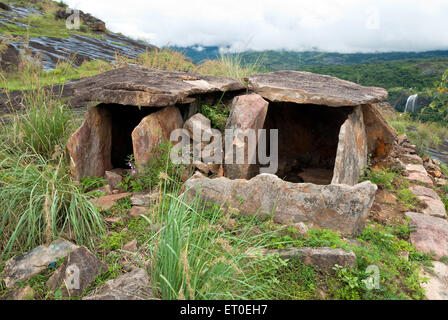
(380, 135)
(351, 156)
(89, 147)
(107, 202)
(134, 285)
(437, 286)
(337, 207)
(323, 258)
(77, 273)
(310, 88)
(198, 123)
(434, 205)
(138, 86)
(431, 234)
(247, 112)
(153, 130)
(25, 266)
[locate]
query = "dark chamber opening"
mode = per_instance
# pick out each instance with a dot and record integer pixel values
(308, 140)
(124, 120)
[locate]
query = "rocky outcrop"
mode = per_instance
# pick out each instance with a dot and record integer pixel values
(94, 24)
(154, 130)
(138, 86)
(89, 148)
(25, 266)
(77, 272)
(323, 258)
(309, 88)
(337, 207)
(351, 157)
(134, 285)
(430, 235)
(247, 112)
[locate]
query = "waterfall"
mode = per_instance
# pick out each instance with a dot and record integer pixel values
(411, 104)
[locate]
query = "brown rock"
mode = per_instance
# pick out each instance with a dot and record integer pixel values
(137, 211)
(308, 88)
(431, 234)
(138, 86)
(198, 123)
(434, 205)
(26, 293)
(77, 273)
(418, 174)
(351, 157)
(153, 130)
(107, 202)
(337, 207)
(131, 246)
(113, 179)
(91, 141)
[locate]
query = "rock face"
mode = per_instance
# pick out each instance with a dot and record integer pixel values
(77, 273)
(431, 234)
(380, 136)
(25, 266)
(134, 285)
(323, 258)
(337, 207)
(308, 88)
(437, 286)
(351, 156)
(89, 148)
(153, 130)
(247, 112)
(138, 86)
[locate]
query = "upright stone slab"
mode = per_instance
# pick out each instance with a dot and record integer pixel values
(89, 147)
(247, 112)
(153, 130)
(351, 155)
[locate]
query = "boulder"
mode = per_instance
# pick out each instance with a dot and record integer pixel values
(139, 86)
(431, 234)
(113, 179)
(198, 123)
(107, 202)
(337, 207)
(437, 286)
(434, 205)
(23, 267)
(417, 173)
(323, 258)
(380, 135)
(77, 272)
(134, 285)
(309, 88)
(89, 148)
(247, 112)
(153, 130)
(351, 156)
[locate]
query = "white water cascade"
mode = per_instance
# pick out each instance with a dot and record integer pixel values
(411, 104)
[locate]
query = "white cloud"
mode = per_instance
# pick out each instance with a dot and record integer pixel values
(329, 25)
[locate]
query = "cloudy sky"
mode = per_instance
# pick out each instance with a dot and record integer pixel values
(327, 25)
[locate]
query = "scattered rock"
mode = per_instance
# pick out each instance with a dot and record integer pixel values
(417, 173)
(411, 158)
(421, 191)
(434, 205)
(198, 123)
(106, 189)
(351, 157)
(308, 88)
(323, 258)
(153, 130)
(142, 199)
(23, 267)
(247, 112)
(338, 207)
(131, 246)
(134, 285)
(77, 273)
(441, 182)
(113, 179)
(113, 219)
(431, 234)
(137, 211)
(107, 202)
(437, 286)
(401, 139)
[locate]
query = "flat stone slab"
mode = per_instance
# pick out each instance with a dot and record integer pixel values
(23, 267)
(309, 88)
(323, 258)
(107, 202)
(431, 234)
(337, 207)
(134, 285)
(437, 286)
(139, 86)
(417, 173)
